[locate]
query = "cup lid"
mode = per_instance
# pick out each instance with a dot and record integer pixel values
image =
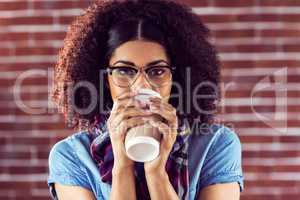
(144, 94)
(145, 91)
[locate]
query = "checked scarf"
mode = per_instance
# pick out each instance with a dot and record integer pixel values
(176, 166)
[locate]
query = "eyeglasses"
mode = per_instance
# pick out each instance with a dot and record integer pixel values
(125, 76)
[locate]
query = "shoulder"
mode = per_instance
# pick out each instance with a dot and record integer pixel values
(224, 147)
(68, 147)
(223, 160)
(70, 163)
(216, 156)
(225, 137)
(215, 138)
(65, 165)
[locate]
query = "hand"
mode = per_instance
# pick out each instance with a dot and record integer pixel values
(126, 113)
(168, 128)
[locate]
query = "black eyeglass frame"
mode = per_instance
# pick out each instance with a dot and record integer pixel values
(110, 69)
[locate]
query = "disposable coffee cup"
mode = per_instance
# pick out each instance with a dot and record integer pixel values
(142, 142)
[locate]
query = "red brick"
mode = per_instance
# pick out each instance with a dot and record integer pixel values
(65, 19)
(26, 21)
(270, 154)
(30, 126)
(31, 141)
(14, 36)
(26, 66)
(42, 154)
(20, 185)
(261, 124)
(248, 48)
(234, 64)
(279, 3)
(258, 18)
(249, 109)
(275, 168)
(256, 79)
(6, 51)
(28, 81)
(280, 33)
(36, 51)
(247, 93)
(21, 5)
(217, 18)
(264, 17)
(48, 4)
(2, 141)
(290, 17)
(195, 3)
(49, 36)
(15, 155)
(270, 196)
(257, 108)
(269, 139)
(24, 96)
(291, 47)
(27, 170)
(234, 3)
(233, 33)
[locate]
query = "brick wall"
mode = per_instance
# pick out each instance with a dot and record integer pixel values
(259, 46)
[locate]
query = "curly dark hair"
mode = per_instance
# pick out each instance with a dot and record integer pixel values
(93, 36)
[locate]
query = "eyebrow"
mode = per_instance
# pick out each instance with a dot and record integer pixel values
(148, 64)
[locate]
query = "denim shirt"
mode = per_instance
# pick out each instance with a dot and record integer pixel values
(212, 158)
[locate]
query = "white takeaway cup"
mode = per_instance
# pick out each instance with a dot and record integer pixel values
(142, 142)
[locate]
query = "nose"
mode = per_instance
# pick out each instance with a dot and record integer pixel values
(141, 82)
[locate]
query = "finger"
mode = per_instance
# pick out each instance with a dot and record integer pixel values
(168, 133)
(125, 103)
(168, 136)
(129, 123)
(155, 99)
(128, 113)
(160, 102)
(163, 99)
(170, 116)
(162, 127)
(125, 95)
(162, 106)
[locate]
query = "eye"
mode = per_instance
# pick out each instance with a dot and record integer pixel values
(157, 71)
(125, 71)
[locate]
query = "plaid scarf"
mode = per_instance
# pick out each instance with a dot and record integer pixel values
(176, 166)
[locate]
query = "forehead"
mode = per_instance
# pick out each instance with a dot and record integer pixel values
(139, 52)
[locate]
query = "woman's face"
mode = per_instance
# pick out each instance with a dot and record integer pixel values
(139, 53)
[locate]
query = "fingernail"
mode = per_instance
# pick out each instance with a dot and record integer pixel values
(153, 123)
(133, 92)
(152, 106)
(148, 112)
(142, 104)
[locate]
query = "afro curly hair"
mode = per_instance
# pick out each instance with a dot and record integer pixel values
(87, 48)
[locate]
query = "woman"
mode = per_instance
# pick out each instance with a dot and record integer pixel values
(110, 52)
